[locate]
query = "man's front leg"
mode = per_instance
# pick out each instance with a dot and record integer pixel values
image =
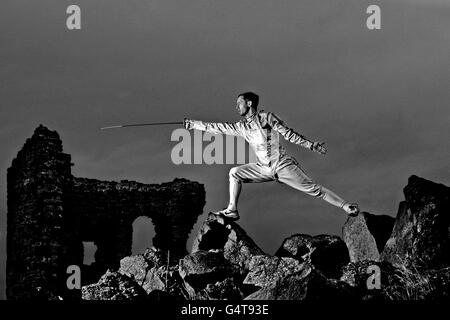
(235, 190)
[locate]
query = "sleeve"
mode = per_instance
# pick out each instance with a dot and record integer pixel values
(289, 134)
(218, 128)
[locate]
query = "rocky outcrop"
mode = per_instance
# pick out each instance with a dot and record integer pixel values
(327, 253)
(440, 282)
(152, 273)
(363, 277)
(307, 284)
(202, 267)
(226, 264)
(266, 270)
(421, 231)
(228, 289)
(366, 234)
(237, 247)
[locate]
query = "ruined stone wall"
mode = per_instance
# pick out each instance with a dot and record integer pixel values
(37, 182)
(107, 211)
(50, 214)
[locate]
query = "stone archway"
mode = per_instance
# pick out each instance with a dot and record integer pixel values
(143, 234)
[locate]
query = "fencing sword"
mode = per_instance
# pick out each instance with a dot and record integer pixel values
(141, 125)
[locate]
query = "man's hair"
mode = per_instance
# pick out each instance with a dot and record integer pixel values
(250, 96)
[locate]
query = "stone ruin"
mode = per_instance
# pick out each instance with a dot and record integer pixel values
(51, 213)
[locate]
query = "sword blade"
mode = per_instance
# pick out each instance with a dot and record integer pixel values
(141, 125)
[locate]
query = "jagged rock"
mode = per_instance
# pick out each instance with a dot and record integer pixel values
(361, 276)
(142, 270)
(227, 289)
(421, 230)
(135, 267)
(114, 286)
(366, 234)
(308, 284)
(157, 257)
(201, 268)
(327, 253)
(264, 270)
(417, 283)
(167, 280)
(150, 272)
(238, 248)
(440, 283)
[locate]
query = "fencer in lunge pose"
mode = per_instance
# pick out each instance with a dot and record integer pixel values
(261, 130)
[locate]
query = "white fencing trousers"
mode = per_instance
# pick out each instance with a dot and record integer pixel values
(286, 171)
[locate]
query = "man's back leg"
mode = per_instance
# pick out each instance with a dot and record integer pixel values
(294, 176)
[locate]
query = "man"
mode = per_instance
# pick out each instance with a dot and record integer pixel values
(261, 130)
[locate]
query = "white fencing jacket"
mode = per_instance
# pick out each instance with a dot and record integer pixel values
(261, 131)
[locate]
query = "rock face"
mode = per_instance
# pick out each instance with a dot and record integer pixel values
(307, 284)
(51, 213)
(227, 289)
(366, 234)
(152, 273)
(237, 247)
(440, 280)
(421, 231)
(326, 253)
(226, 264)
(266, 270)
(361, 276)
(202, 267)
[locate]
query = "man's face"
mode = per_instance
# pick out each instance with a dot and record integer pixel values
(242, 106)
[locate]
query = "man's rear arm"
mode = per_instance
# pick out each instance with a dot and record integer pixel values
(289, 134)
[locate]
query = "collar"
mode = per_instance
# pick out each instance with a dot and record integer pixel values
(251, 118)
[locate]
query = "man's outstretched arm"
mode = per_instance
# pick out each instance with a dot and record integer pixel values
(294, 137)
(214, 127)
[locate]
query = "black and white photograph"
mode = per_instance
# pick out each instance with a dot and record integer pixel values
(225, 157)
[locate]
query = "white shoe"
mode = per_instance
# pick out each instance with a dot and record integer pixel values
(352, 209)
(227, 213)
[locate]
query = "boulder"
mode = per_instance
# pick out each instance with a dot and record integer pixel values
(150, 272)
(157, 258)
(201, 268)
(264, 270)
(440, 284)
(361, 275)
(227, 289)
(327, 253)
(414, 283)
(237, 247)
(308, 284)
(135, 267)
(366, 234)
(421, 231)
(114, 286)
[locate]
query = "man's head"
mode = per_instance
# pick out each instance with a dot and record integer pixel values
(245, 101)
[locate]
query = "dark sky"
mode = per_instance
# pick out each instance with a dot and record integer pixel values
(379, 99)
